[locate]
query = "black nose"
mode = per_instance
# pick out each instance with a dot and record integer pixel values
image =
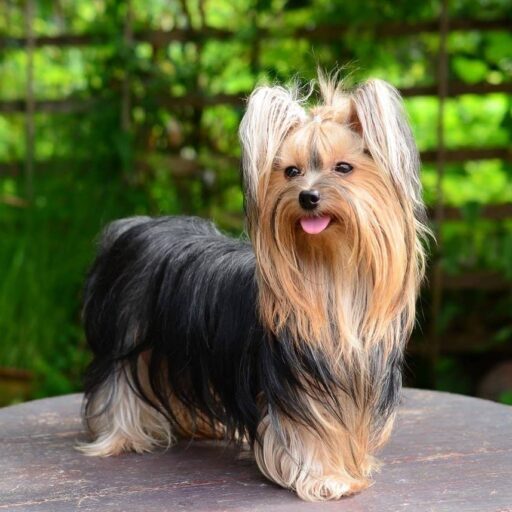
(309, 199)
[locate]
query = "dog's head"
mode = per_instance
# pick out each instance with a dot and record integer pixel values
(334, 208)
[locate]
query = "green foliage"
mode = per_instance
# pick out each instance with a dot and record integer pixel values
(506, 397)
(452, 376)
(184, 158)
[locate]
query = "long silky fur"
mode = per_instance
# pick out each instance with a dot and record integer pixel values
(293, 347)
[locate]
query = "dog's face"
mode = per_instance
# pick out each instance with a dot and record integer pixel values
(334, 211)
(313, 172)
(325, 188)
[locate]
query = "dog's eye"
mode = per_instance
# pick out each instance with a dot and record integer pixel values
(292, 171)
(343, 167)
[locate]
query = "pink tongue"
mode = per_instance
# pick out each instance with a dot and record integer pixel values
(314, 225)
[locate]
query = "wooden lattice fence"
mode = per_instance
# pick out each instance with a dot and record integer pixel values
(190, 169)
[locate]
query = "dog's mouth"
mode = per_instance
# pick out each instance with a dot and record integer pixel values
(315, 225)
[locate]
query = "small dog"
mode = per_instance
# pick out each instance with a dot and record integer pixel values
(292, 342)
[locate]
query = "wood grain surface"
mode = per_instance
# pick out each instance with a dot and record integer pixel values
(447, 453)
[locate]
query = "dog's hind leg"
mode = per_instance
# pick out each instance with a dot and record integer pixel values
(120, 420)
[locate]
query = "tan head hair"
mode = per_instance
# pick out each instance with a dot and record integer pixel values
(360, 283)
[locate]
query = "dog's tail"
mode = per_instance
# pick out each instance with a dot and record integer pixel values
(116, 228)
(114, 410)
(104, 280)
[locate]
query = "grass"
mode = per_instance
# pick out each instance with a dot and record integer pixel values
(44, 254)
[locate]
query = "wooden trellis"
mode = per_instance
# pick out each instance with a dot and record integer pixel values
(198, 101)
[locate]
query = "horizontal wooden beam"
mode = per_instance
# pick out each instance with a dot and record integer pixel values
(487, 211)
(403, 28)
(477, 280)
(200, 100)
(16, 201)
(76, 104)
(323, 32)
(465, 154)
(457, 342)
(15, 167)
(155, 37)
(457, 89)
(7, 373)
(180, 168)
(58, 106)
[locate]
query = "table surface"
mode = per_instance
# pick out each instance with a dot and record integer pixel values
(447, 453)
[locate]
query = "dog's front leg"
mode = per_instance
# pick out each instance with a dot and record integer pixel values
(316, 466)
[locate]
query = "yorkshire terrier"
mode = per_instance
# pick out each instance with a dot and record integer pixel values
(291, 343)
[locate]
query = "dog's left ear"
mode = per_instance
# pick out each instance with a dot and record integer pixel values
(378, 115)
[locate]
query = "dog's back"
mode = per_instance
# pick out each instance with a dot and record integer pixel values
(165, 304)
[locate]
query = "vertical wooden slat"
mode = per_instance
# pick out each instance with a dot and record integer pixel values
(29, 101)
(437, 277)
(6, 11)
(126, 100)
(202, 13)
(186, 13)
(255, 50)
(197, 82)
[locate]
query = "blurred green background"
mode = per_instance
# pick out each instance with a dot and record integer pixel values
(110, 108)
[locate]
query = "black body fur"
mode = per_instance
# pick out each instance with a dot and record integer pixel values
(176, 289)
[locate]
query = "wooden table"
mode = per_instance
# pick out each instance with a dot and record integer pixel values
(448, 453)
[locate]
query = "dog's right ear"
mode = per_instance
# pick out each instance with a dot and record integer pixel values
(271, 113)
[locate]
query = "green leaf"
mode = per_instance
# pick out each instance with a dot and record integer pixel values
(506, 397)
(470, 70)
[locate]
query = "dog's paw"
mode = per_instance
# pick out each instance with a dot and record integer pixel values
(328, 488)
